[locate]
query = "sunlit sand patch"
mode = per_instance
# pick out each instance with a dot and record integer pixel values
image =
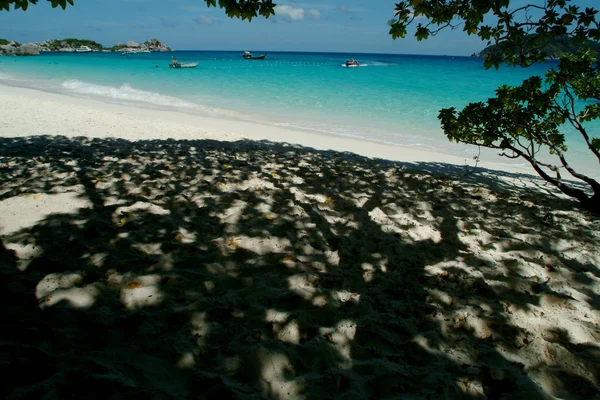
(53, 282)
(96, 259)
(303, 285)
(122, 215)
(24, 211)
(307, 198)
(233, 214)
(342, 336)
(277, 375)
(258, 245)
(254, 184)
(187, 360)
(141, 292)
(276, 316)
(25, 253)
(54, 288)
(345, 296)
(289, 333)
(148, 248)
(185, 236)
(359, 198)
(405, 224)
(199, 328)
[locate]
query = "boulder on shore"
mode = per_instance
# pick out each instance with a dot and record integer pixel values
(14, 49)
(155, 45)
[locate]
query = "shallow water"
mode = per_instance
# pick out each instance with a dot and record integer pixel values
(390, 98)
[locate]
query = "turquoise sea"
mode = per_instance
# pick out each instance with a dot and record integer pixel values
(393, 99)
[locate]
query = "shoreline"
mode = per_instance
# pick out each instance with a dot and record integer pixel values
(70, 116)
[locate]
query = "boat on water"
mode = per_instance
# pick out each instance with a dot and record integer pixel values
(183, 65)
(249, 56)
(352, 63)
(83, 49)
(129, 52)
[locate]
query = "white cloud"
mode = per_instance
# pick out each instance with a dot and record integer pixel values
(314, 13)
(290, 13)
(203, 20)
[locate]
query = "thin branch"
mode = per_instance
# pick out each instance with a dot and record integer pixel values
(568, 190)
(593, 183)
(476, 158)
(572, 117)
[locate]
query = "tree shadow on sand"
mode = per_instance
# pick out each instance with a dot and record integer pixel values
(201, 269)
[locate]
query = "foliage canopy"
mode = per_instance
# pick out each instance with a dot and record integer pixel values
(528, 120)
(244, 9)
(24, 4)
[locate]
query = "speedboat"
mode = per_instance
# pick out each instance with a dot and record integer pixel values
(83, 49)
(184, 65)
(249, 56)
(352, 63)
(129, 52)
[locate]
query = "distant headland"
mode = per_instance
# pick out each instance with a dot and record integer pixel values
(553, 49)
(10, 48)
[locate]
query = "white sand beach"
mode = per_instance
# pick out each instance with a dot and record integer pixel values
(160, 255)
(57, 114)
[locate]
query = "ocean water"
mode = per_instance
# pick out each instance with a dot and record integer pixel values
(393, 99)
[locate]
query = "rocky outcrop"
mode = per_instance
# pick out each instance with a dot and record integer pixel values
(155, 45)
(15, 49)
(69, 45)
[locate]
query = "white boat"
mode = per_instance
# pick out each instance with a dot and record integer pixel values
(129, 52)
(184, 65)
(83, 49)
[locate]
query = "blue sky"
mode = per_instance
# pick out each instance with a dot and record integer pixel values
(331, 25)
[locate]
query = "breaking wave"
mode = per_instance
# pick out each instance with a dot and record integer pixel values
(127, 93)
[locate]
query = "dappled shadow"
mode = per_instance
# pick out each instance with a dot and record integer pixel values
(202, 269)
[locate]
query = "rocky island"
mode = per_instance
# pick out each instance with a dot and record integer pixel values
(552, 49)
(70, 45)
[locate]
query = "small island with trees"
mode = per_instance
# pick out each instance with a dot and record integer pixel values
(552, 49)
(68, 45)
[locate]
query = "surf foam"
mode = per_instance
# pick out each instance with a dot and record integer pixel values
(127, 93)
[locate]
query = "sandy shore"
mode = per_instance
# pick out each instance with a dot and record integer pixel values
(34, 112)
(150, 254)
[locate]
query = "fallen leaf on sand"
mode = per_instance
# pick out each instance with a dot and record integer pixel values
(134, 285)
